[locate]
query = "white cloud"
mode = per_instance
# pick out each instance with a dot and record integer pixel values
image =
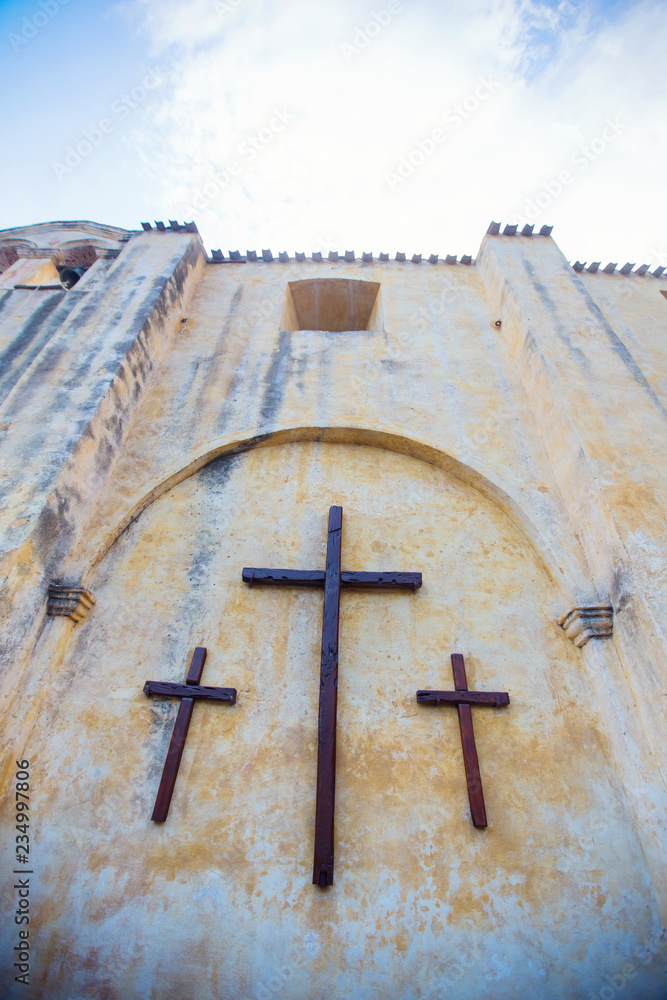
(564, 69)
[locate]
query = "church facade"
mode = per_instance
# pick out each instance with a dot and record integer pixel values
(251, 506)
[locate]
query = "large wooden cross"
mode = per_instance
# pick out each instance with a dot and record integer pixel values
(332, 579)
(463, 699)
(187, 692)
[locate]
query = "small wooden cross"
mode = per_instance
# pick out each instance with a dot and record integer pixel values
(463, 699)
(187, 692)
(332, 579)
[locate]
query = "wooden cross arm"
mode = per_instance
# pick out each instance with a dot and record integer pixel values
(383, 581)
(496, 698)
(316, 578)
(284, 577)
(190, 691)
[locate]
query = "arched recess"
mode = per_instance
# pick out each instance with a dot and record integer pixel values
(412, 871)
(8, 256)
(12, 250)
(94, 546)
(84, 252)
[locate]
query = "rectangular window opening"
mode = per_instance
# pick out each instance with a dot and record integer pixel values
(333, 305)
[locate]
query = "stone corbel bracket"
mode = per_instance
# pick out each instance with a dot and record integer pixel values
(589, 621)
(72, 602)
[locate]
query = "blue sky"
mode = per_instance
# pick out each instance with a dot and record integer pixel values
(303, 125)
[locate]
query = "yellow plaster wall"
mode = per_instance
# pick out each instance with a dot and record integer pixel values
(500, 432)
(601, 420)
(635, 306)
(218, 902)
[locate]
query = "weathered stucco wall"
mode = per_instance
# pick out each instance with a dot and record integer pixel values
(603, 429)
(64, 423)
(423, 903)
(438, 374)
(475, 437)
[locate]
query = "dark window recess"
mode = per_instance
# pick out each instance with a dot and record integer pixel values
(332, 304)
(76, 261)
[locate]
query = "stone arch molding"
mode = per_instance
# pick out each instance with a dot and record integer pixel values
(93, 549)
